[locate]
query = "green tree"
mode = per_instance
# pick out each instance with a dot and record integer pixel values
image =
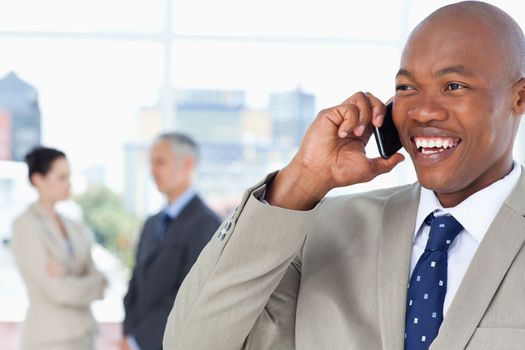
(113, 227)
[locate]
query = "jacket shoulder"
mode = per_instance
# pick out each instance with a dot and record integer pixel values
(205, 212)
(23, 219)
(372, 199)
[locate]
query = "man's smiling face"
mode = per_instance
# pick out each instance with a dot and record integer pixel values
(454, 106)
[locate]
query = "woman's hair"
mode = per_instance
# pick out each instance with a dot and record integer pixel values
(40, 159)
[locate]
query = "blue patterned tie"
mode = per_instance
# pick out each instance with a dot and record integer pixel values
(162, 224)
(428, 284)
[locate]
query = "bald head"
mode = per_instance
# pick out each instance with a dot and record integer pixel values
(484, 22)
(461, 79)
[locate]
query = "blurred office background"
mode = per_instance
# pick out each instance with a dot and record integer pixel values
(99, 79)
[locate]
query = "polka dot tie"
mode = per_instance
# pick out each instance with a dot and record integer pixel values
(428, 284)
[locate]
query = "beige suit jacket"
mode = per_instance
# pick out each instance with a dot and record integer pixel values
(59, 307)
(336, 278)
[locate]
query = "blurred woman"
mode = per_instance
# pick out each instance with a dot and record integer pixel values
(53, 254)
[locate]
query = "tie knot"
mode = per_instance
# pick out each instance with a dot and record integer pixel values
(443, 230)
(165, 217)
(162, 224)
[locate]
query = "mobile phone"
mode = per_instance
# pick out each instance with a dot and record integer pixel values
(386, 136)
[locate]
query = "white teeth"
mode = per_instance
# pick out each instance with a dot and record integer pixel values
(440, 143)
(431, 151)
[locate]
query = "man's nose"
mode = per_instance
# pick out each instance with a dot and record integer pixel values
(427, 111)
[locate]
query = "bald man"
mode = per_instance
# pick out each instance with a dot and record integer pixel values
(438, 264)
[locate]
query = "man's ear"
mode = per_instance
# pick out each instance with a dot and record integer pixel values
(189, 163)
(518, 103)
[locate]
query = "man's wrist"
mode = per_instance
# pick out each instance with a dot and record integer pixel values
(294, 188)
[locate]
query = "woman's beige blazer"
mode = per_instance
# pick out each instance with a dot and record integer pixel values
(59, 307)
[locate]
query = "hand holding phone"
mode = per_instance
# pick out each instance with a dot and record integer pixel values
(386, 136)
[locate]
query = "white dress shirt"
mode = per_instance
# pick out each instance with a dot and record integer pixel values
(475, 214)
(174, 208)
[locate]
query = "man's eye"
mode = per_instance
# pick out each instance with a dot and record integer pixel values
(454, 86)
(404, 88)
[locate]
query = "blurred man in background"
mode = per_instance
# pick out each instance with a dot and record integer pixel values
(169, 244)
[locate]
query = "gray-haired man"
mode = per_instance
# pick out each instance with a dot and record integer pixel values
(170, 242)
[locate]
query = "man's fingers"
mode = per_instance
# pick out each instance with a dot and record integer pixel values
(355, 114)
(378, 110)
(350, 115)
(344, 117)
(380, 165)
(361, 114)
(364, 108)
(362, 103)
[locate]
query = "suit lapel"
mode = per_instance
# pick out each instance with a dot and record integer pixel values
(173, 232)
(80, 246)
(51, 232)
(175, 229)
(495, 254)
(394, 264)
(150, 243)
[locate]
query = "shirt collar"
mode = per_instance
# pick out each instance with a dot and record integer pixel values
(174, 208)
(475, 213)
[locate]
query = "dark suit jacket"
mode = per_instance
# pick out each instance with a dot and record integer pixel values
(160, 268)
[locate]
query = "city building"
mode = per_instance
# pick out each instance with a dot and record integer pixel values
(210, 116)
(291, 113)
(256, 127)
(5, 135)
(19, 101)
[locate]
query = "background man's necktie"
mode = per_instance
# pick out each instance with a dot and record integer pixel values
(162, 224)
(428, 284)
